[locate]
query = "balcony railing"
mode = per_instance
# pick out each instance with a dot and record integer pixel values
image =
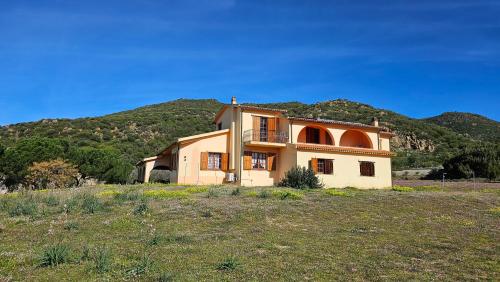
(271, 136)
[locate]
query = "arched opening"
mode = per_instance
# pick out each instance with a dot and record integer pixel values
(161, 167)
(355, 138)
(315, 135)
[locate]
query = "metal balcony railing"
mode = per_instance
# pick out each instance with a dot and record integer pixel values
(271, 136)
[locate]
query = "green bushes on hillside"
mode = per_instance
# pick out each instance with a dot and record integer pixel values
(104, 164)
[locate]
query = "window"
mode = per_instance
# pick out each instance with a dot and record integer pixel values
(312, 135)
(214, 161)
(325, 166)
(259, 160)
(367, 168)
(263, 129)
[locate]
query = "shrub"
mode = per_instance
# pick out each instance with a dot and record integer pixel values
(54, 255)
(162, 194)
(52, 201)
(159, 176)
(91, 203)
(142, 208)
(333, 192)
(283, 195)
(142, 267)
(71, 226)
(230, 263)
(213, 193)
(236, 191)
(102, 259)
(264, 194)
(402, 188)
(300, 178)
(26, 206)
(51, 174)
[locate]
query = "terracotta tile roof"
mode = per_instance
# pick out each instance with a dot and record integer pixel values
(338, 122)
(344, 150)
(246, 107)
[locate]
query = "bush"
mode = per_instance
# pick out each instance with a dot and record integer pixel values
(52, 201)
(51, 174)
(333, 192)
(26, 206)
(102, 259)
(91, 203)
(236, 192)
(230, 263)
(142, 208)
(159, 176)
(264, 194)
(283, 195)
(54, 255)
(300, 178)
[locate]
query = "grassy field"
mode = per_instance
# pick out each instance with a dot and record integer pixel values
(167, 233)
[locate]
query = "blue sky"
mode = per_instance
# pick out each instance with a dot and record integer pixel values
(87, 58)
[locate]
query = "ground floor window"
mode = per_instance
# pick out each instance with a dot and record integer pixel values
(325, 166)
(214, 161)
(367, 168)
(259, 160)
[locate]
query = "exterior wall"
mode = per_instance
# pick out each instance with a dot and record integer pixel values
(346, 170)
(287, 160)
(335, 132)
(261, 177)
(226, 118)
(385, 144)
(189, 161)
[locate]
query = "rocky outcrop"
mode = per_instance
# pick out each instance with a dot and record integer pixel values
(411, 141)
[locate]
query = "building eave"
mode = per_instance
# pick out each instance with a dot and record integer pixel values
(344, 150)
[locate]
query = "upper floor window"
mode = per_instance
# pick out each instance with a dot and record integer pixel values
(367, 168)
(312, 135)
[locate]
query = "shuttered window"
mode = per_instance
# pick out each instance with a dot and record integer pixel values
(322, 166)
(259, 160)
(367, 168)
(214, 161)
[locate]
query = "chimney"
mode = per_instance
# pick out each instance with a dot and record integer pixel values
(233, 100)
(375, 121)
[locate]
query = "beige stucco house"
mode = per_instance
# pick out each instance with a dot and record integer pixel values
(255, 146)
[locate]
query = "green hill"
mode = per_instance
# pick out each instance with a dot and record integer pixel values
(470, 125)
(144, 131)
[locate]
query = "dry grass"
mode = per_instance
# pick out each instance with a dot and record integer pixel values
(425, 234)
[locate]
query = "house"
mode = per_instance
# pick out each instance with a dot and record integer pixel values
(254, 146)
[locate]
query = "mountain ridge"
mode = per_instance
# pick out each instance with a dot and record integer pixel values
(145, 130)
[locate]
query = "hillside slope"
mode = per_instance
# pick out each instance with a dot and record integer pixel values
(144, 131)
(468, 124)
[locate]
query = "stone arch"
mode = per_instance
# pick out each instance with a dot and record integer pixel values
(315, 135)
(355, 138)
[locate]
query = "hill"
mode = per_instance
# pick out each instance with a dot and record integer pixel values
(470, 125)
(144, 131)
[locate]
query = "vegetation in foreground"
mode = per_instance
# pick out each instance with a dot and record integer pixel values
(166, 232)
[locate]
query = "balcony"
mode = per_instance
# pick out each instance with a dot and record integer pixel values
(270, 138)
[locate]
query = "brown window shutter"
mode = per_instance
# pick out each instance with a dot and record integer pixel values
(314, 165)
(224, 161)
(271, 162)
(271, 129)
(256, 128)
(247, 161)
(204, 161)
(328, 167)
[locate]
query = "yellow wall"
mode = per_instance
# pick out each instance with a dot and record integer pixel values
(189, 161)
(346, 170)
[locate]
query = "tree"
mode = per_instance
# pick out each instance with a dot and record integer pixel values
(51, 175)
(105, 164)
(483, 162)
(15, 161)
